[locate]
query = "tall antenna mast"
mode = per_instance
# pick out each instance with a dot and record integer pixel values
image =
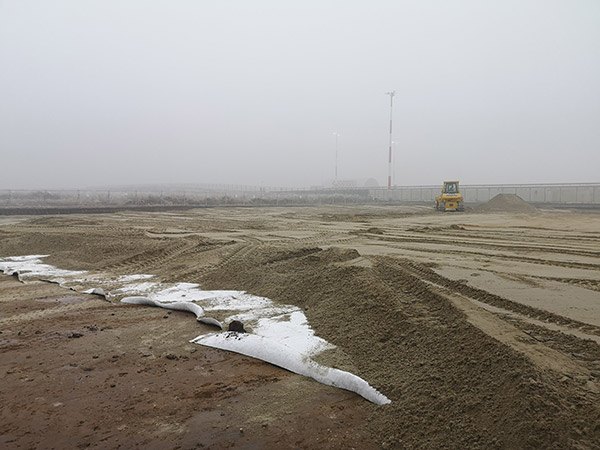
(391, 94)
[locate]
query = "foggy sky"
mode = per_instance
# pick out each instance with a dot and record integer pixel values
(251, 92)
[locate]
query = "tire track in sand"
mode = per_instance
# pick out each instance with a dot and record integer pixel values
(481, 317)
(430, 277)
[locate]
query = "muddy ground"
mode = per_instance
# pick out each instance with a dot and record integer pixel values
(482, 328)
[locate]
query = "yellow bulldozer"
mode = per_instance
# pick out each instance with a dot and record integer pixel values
(451, 199)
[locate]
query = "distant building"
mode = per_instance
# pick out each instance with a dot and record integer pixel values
(356, 183)
(345, 184)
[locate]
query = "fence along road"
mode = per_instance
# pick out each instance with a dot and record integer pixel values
(571, 193)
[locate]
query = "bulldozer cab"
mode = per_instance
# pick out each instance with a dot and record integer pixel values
(450, 187)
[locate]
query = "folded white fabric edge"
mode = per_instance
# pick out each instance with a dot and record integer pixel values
(281, 355)
(179, 306)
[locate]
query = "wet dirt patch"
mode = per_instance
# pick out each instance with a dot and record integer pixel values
(66, 300)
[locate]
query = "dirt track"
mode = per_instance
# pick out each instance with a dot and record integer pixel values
(483, 330)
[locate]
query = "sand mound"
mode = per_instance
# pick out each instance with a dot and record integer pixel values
(507, 203)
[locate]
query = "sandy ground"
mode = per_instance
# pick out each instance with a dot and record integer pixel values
(482, 328)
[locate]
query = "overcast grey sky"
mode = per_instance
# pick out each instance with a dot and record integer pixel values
(250, 92)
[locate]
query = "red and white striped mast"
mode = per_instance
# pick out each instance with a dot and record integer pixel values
(337, 135)
(391, 94)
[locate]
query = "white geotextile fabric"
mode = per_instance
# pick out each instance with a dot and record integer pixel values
(179, 306)
(271, 350)
(283, 356)
(283, 336)
(96, 291)
(32, 266)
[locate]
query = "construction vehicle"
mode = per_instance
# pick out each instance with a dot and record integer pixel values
(451, 199)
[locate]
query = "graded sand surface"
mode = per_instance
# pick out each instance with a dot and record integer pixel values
(482, 328)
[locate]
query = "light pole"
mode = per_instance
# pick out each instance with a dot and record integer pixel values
(337, 135)
(394, 144)
(391, 94)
